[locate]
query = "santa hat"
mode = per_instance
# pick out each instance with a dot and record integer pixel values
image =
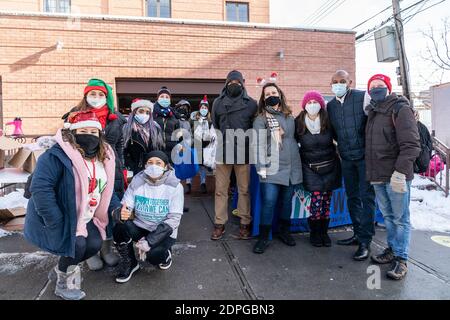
(204, 101)
(82, 119)
(383, 78)
(98, 84)
(313, 95)
(141, 103)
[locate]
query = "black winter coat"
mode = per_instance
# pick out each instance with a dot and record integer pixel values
(315, 148)
(168, 125)
(233, 113)
(134, 152)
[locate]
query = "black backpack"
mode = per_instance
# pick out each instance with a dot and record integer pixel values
(426, 144)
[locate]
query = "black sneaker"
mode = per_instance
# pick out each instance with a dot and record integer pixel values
(187, 188)
(398, 270)
(387, 256)
(166, 265)
(203, 188)
(128, 263)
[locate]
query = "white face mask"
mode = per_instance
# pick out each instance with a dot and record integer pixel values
(96, 102)
(154, 171)
(313, 108)
(142, 118)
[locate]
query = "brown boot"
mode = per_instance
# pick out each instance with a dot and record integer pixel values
(219, 230)
(244, 232)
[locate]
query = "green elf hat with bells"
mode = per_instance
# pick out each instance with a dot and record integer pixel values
(98, 84)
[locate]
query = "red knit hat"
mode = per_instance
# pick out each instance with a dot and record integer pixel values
(82, 119)
(141, 103)
(383, 78)
(313, 95)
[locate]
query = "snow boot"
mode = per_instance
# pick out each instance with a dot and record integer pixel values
(326, 241)
(285, 233)
(314, 232)
(95, 263)
(68, 284)
(107, 254)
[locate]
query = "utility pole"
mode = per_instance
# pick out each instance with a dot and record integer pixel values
(404, 70)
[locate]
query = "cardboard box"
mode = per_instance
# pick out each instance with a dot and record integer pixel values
(15, 224)
(7, 144)
(25, 159)
(8, 214)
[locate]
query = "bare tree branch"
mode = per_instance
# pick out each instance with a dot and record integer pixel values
(438, 43)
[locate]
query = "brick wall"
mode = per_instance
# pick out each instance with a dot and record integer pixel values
(41, 83)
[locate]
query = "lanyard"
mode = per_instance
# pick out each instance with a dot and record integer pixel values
(93, 180)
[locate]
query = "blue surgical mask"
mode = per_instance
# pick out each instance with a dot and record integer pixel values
(204, 112)
(142, 118)
(164, 102)
(339, 89)
(378, 94)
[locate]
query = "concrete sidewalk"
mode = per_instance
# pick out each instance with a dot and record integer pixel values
(227, 269)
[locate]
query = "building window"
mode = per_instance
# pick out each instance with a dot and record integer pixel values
(58, 6)
(237, 11)
(158, 8)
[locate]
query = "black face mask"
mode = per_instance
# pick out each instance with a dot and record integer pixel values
(88, 143)
(272, 101)
(183, 113)
(378, 94)
(234, 89)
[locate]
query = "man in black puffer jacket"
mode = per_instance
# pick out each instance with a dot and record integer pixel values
(348, 120)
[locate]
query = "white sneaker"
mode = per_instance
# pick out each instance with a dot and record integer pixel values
(165, 266)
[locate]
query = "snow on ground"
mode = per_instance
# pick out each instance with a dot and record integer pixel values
(13, 200)
(433, 212)
(11, 263)
(4, 233)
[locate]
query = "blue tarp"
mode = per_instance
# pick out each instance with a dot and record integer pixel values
(339, 214)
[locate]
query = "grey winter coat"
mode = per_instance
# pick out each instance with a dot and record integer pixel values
(288, 160)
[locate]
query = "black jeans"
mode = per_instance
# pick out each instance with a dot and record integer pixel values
(360, 199)
(123, 232)
(84, 248)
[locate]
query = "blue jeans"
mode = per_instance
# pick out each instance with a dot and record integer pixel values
(270, 194)
(360, 199)
(395, 209)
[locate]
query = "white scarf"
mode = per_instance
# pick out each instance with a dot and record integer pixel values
(313, 125)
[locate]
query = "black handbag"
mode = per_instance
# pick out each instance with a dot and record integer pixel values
(323, 167)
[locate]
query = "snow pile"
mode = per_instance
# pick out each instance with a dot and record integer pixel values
(13, 200)
(433, 212)
(11, 263)
(4, 233)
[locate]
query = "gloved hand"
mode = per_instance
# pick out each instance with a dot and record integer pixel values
(262, 173)
(398, 182)
(143, 247)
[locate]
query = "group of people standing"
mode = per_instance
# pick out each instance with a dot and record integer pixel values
(81, 203)
(371, 146)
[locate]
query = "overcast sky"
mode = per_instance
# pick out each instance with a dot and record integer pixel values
(349, 13)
